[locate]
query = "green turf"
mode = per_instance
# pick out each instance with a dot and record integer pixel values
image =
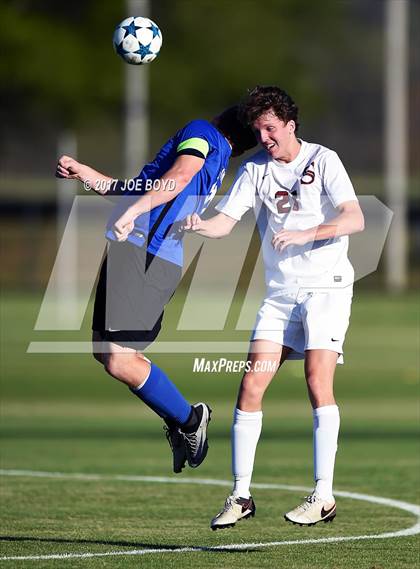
(61, 413)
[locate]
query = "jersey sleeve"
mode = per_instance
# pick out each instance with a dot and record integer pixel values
(336, 181)
(194, 139)
(240, 197)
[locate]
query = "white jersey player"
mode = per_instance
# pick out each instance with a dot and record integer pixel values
(305, 207)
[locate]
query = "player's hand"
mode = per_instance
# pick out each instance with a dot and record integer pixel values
(284, 238)
(192, 222)
(124, 226)
(69, 168)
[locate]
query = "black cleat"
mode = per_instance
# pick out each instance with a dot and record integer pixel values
(196, 443)
(176, 442)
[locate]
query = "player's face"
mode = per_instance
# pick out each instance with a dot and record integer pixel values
(276, 137)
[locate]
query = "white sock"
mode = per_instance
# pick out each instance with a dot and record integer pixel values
(142, 383)
(246, 430)
(145, 379)
(326, 426)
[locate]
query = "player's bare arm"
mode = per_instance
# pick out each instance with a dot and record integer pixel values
(181, 173)
(216, 227)
(70, 169)
(349, 220)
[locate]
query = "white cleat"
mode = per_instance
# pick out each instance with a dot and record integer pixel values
(312, 511)
(235, 509)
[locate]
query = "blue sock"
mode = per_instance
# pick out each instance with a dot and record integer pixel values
(161, 395)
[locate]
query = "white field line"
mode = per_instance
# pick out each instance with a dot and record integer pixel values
(407, 507)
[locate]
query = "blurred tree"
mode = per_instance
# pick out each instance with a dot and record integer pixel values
(60, 70)
(54, 65)
(60, 63)
(214, 50)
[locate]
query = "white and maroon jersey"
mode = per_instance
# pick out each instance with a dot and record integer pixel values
(297, 195)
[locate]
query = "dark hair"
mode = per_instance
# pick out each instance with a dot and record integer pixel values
(240, 135)
(264, 98)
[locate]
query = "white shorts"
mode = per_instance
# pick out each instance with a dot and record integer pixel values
(306, 321)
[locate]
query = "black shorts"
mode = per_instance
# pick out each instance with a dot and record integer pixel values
(133, 288)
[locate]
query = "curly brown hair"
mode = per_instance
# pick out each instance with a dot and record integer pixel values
(239, 133)
(264, 98)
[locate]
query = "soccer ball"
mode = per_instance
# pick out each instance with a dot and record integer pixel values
(137, 40)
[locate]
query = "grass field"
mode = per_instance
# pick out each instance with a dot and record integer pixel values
(61, 414)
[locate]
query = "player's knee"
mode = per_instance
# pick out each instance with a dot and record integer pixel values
(320, 390)
(251, 388)
(314, 382)
(116, 366)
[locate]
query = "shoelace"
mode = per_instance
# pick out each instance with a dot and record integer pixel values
(192, 441)
(229, 503)
(309, 500)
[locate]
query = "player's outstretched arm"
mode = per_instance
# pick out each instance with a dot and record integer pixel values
(349, 220)
(170, 185)
(70, 169)
(214, 228)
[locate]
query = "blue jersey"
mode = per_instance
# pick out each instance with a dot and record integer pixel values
(158, 229)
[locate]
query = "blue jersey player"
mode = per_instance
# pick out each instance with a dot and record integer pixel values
(143, 264)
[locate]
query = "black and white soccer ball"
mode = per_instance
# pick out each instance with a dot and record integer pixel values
(137, 40)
